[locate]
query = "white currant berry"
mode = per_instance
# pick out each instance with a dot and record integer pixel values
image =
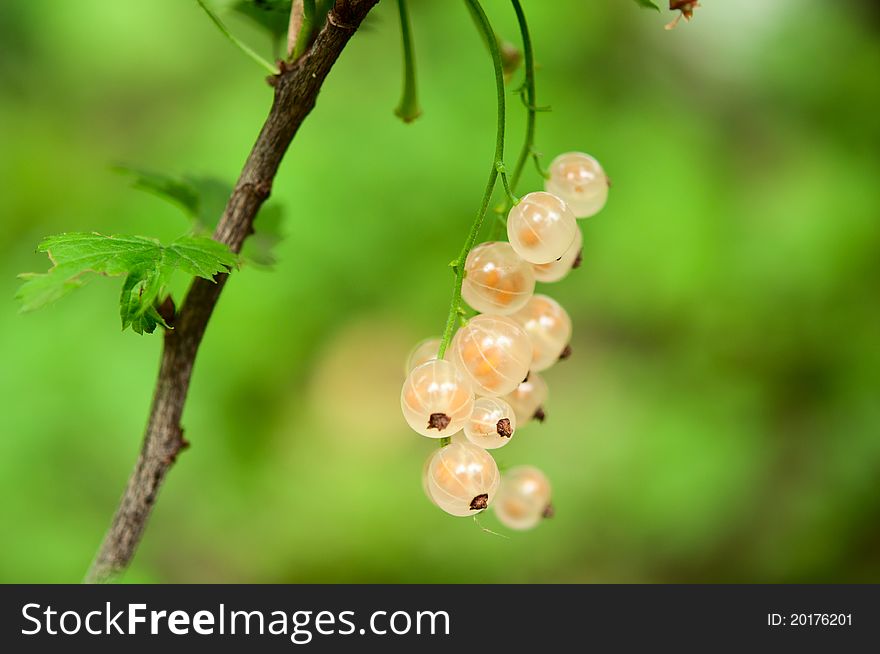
(494, 352)
(523, 498)
(578, 179)
(425, 351)
(541, 227)
(549, 327)
(425, 481)
(527, 400)
(462, 478)
(556, 270)
(436, 399)
(492, 423)
(497, 279)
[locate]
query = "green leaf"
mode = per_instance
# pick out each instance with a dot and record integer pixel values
(647, 4)
(175, 190)
(147, 265)
(271, 15)
(203, 199)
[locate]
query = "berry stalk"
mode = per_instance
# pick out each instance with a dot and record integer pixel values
(455, 307)
(527, 93)
(408, 109)
(529, 90)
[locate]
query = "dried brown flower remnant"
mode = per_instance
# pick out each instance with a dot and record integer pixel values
(438, 421)
(684, 7)
(480, 502)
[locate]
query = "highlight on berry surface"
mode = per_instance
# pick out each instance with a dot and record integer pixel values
(423, 352)
(541, 227)
(494, 352)
(436, 399)
(497, 280)
(528, 398)
(549, 328)
(492, 424)
(578, 179)
(559, 269)
(523, 498)
(461, 478)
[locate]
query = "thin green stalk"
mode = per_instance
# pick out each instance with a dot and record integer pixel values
(529, 64)
(306, 30)
(498, 161)
(527, 92)
(408, 109)
(235, 40)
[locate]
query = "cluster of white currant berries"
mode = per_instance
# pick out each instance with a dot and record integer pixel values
(488, 383)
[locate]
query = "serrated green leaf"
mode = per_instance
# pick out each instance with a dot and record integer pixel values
(147, 265)
(271, 15)
(202, 198)
(647, 4)
(176, 190)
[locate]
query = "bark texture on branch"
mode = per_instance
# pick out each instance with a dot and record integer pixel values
(296, 88)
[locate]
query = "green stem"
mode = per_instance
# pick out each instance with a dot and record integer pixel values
(502, 172)
(235, 40)
(528, 148)
(408, 109)
(458, 265)
(529, 63)
(306, 30)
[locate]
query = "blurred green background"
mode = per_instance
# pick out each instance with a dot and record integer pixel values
(719, 420)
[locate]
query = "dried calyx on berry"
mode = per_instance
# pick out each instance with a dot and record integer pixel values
(480, 502)
(438, 421)
(686, 9)
(503, 428)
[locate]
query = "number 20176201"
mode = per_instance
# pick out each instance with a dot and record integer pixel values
(809, 619)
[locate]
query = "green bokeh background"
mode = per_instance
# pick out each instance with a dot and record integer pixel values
(719, 420)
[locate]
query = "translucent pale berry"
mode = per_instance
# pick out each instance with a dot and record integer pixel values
(496, 279)
(541, 228)
(528, 398)
(436, 399)
(462, 478)
(549, 327)
(422, 353)
(579, 180)
(492, 423)
(425, 481)
(494, 352)
(556, 270)
(523, 498)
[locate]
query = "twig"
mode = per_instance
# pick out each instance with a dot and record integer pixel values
(296, 87)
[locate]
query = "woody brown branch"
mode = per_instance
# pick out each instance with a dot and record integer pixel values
(296, 88)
